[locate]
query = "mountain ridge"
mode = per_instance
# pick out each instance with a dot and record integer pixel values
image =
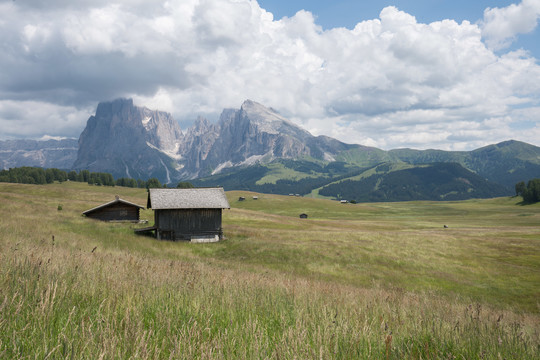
(126, 140)
(245, 136)
(50, 153)
(131, 141)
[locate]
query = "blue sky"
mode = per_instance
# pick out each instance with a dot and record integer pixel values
(388, 74)
(347, 13)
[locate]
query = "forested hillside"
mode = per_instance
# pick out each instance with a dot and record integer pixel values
(438, 181)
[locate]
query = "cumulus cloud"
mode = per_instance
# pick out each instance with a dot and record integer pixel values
(500, 26)
(389, 82)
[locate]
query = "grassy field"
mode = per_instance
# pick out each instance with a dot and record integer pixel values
(373, 281)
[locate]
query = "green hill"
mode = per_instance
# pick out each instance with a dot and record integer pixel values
(437, 181)
(505, 163)
(358, 173)
(282, 176)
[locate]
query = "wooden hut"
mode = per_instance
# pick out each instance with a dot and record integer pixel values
(188, 214)
(116, 210)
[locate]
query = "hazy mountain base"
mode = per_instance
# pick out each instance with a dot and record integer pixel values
(48, 154)
(354, 281)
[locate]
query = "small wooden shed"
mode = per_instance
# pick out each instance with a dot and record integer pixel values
(116, 210)
(188, 214)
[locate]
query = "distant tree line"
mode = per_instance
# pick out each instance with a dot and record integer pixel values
(529, 192)
(40, 176)
(32, 175)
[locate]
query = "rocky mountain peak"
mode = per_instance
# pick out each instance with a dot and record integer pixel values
(127, 140)
(115, 107)
(266, 119)
(200, 126)
(132, 141)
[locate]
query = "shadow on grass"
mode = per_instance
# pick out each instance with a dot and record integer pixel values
(525, 203)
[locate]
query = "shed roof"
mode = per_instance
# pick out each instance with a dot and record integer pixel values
(197, 198)
(115, 201)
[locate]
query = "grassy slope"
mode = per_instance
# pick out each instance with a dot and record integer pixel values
(279, 172)
(487, 252)
(365, 157)
(352, 281)
(363, 175)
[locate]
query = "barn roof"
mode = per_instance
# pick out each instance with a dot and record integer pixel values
(197, 198)
(115, 201)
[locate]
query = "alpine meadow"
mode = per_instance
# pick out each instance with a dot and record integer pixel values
(395, 280)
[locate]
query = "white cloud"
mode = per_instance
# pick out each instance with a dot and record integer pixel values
(389, 82)
(500, 26)
(40, 120)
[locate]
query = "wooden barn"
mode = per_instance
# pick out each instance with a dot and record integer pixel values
(188, 214)
(116, 210)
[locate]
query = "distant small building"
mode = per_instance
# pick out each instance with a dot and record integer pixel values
(255, 198)
(303, 216)
(344, 201)
(241, 198)
(116, 210)
(188, 214)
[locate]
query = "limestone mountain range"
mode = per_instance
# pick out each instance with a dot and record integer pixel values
(133, 141)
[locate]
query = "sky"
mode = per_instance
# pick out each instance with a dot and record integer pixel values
(452, 75)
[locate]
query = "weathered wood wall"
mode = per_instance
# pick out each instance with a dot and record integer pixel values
(178, 224)
(116, 212)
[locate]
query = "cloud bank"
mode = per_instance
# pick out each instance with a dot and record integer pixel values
(389, 82)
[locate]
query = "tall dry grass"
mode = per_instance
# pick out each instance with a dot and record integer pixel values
(61, 303)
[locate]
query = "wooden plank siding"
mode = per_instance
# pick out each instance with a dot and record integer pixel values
(116, 212)
(182, 224)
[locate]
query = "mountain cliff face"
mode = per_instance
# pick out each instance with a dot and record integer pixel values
(129, 141)
(58, 154)
(255, 134)
(196, 146)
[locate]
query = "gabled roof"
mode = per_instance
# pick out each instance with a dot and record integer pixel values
(117, 200)
(197, 198)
